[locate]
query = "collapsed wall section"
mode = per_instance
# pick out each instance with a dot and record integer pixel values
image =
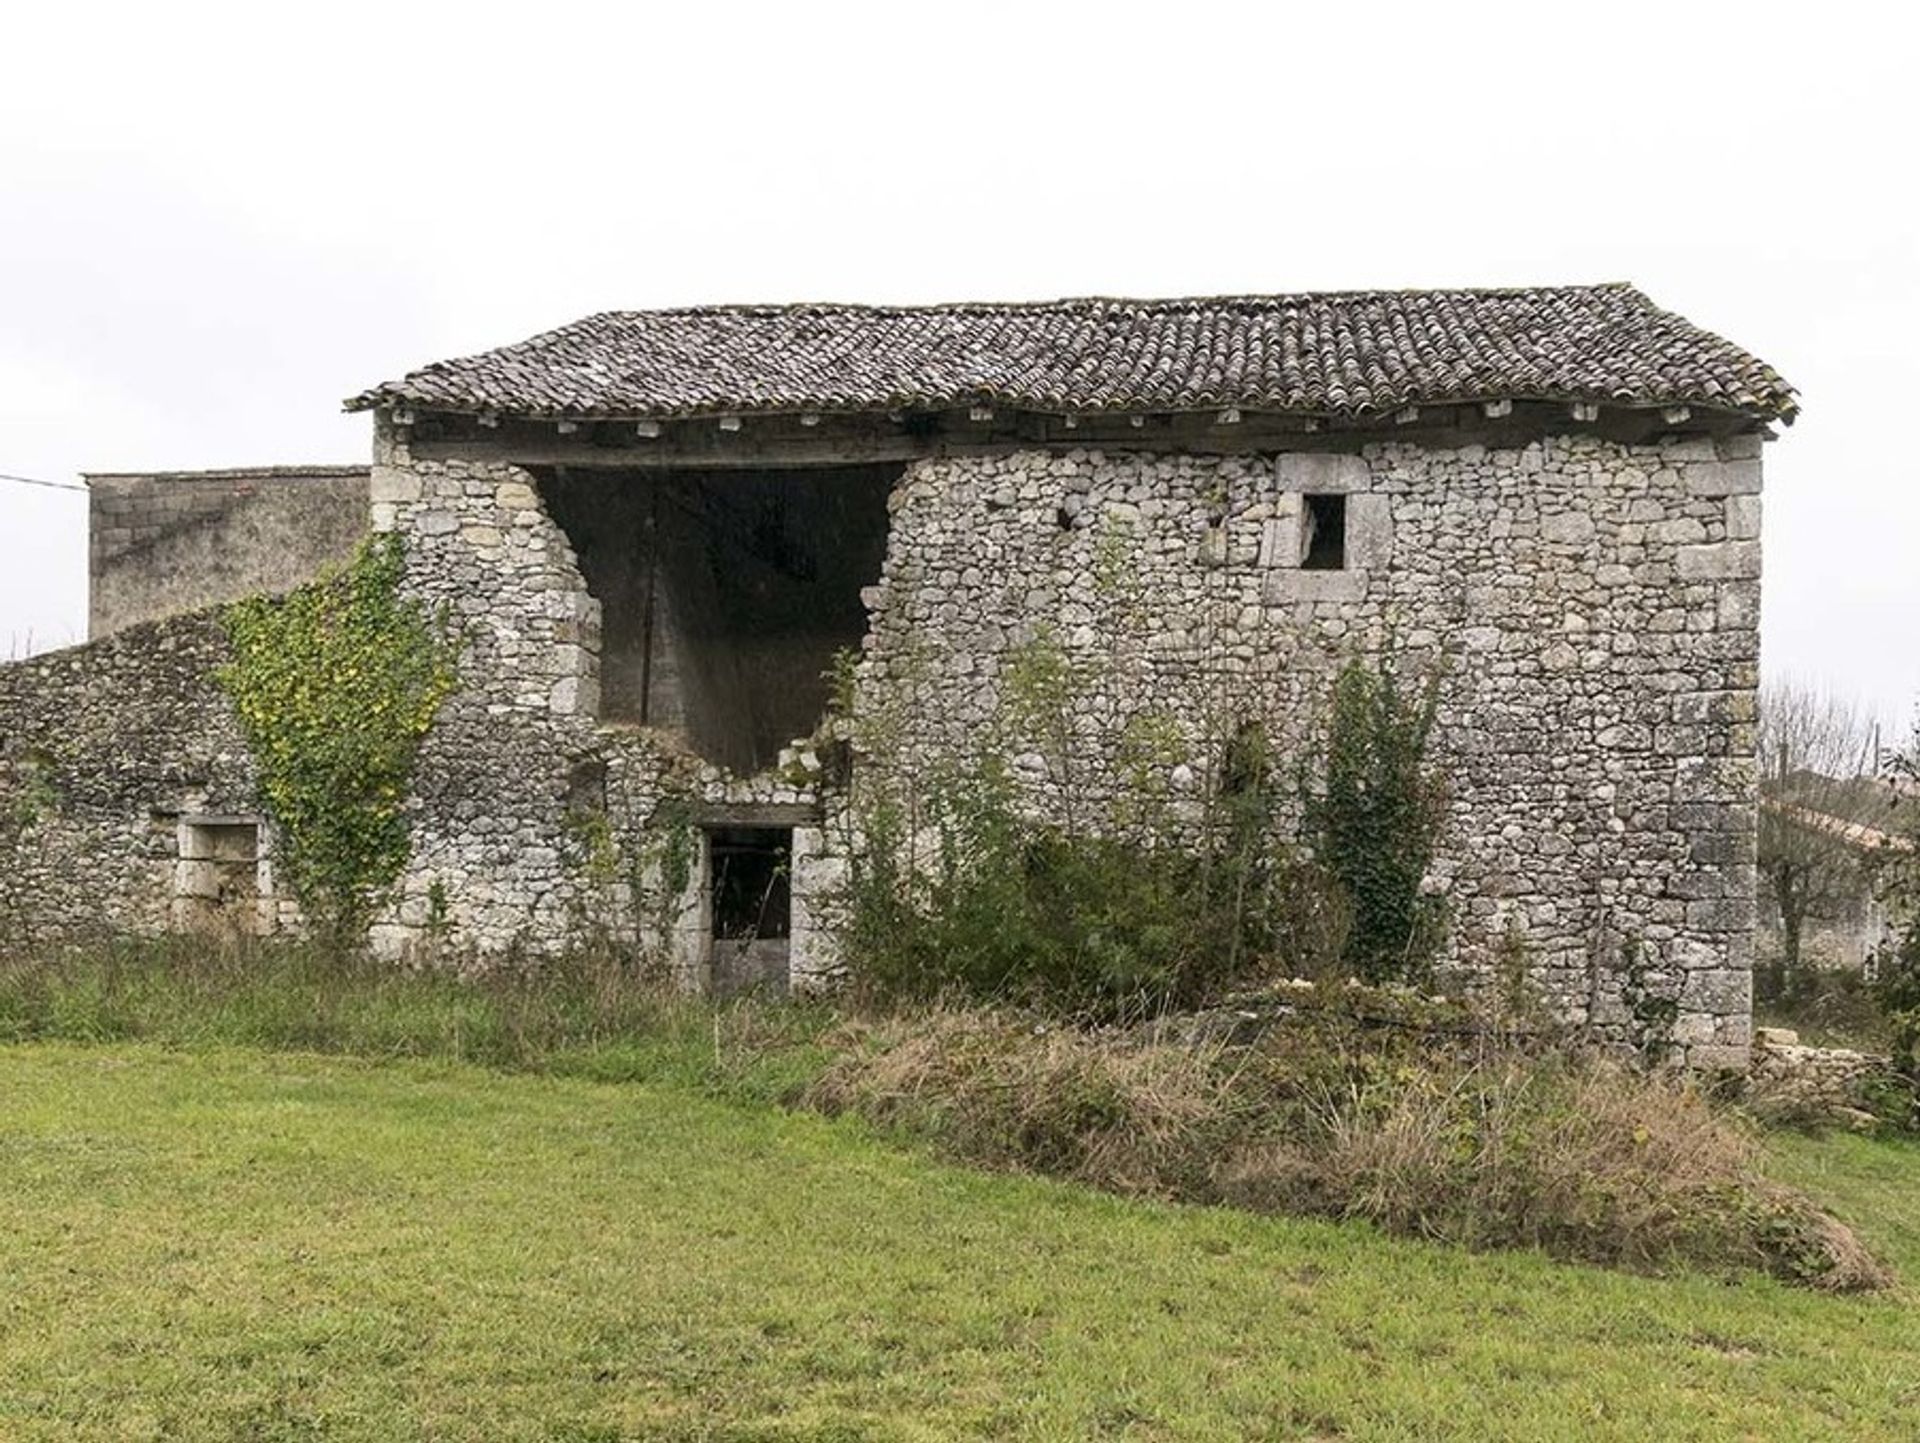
(725, 594)
(541, 820)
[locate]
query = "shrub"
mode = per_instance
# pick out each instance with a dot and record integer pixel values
(1122, 899)
(1896, 992)
(1374, 819)
(1001, 906)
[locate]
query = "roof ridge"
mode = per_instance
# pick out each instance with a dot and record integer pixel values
(1225, 299)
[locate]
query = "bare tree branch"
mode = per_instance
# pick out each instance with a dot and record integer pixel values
(1819, 791)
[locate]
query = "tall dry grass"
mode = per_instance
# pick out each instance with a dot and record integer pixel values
(590, 1014)
(1486, 1147)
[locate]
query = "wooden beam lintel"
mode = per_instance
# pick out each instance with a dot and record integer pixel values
(815, 439)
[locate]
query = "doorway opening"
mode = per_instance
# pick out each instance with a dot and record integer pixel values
(750, 871)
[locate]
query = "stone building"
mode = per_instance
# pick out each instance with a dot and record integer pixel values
(659, 529)
(164, 542)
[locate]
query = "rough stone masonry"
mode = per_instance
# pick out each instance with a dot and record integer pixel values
(1211, 505)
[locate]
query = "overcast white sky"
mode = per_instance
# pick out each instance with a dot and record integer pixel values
(216, 222)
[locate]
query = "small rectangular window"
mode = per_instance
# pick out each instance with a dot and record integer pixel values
(1323, 534)
(218, 879)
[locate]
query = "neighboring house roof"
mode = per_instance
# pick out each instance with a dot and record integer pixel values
(1854, 834)
(1877, 803)
(1348, 353)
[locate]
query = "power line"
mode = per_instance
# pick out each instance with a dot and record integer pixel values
(36, 481)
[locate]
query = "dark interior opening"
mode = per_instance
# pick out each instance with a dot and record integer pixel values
(752, 894)
(724, 593)
(1324, 542)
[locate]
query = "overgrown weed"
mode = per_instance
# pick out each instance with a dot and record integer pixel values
(1479, 1143)
(586, 1014)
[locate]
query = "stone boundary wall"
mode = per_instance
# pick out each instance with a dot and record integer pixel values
(1826, 1083)
(164, 543)
(103, 748)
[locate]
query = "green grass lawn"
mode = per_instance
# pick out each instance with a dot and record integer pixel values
(249, 1245)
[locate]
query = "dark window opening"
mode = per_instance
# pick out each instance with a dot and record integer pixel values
(1323, 538)
(724, 594)
(586, 788)
(752, 894)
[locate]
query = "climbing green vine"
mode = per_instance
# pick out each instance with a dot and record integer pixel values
(335, 684)
(1374, 818)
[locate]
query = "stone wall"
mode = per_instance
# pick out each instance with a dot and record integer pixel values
(1594, 608)
(163, 543)
(1794, 1082)
(108, 752)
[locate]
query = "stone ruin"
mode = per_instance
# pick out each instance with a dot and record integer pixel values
(658, 529)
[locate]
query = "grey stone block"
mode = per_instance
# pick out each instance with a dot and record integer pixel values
(1369, 532)
(1720, 561)
(1298, 585)
(1321, 471)
(1743, 518)
(1723, 478)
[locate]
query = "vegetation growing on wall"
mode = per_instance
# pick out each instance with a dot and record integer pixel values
(1101, 905)
(1153, 877)
(634, 882)
(336, 683)
(27, 791)
(659, 871)
(1374, 818)
(1651, 1006)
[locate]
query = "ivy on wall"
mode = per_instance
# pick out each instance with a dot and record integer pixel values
(336, 683)
(1375, 819)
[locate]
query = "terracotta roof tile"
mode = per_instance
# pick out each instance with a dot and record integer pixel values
(1351, 353)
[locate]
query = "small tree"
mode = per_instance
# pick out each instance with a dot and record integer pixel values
(1896, 983)
(1375, 818)
(1816, 755)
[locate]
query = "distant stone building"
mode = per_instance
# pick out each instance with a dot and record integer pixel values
(659, 528)
(165, 542)
(1868, 824)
